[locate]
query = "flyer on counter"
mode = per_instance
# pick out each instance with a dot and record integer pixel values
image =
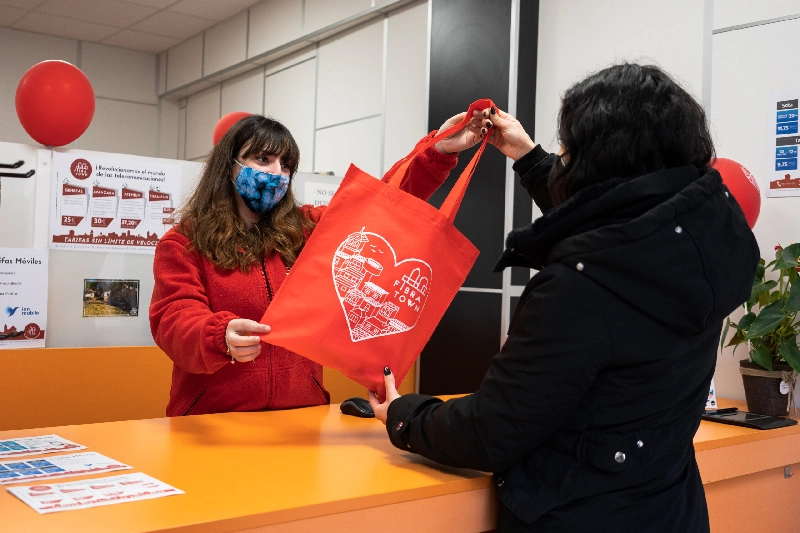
(23, 297)
(87, 493)
(783, 140)
(105, 203)
(36, 446)
(76, 464)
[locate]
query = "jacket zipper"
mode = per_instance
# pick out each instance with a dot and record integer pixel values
(319, 387)
(194, 402)
(266, 282)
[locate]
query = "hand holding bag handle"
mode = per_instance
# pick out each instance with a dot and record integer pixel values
(453, 201)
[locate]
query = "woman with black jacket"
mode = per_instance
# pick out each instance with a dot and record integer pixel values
(587, 414)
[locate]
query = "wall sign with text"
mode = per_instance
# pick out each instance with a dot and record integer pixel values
(102, 203)
(783, 140)
(23, 297)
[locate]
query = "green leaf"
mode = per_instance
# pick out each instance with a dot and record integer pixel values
(774, 297)
(768, 319)
(792, 304)
(724, 333)
(761, 356)
(763, 299)
(759, 277)
(746, 321)
(761, 287)
(737, 339)
(788, 257)
(791, 353)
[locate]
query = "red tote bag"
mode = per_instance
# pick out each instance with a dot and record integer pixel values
(376, 275)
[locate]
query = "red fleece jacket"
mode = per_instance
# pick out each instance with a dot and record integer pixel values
(193, 301)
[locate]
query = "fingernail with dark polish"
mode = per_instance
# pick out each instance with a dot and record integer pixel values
(493, 111)
(386, 371)
(488, 124)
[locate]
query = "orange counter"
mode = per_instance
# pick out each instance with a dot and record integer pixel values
(316, 470)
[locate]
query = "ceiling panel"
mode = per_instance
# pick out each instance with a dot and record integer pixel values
(160, 4)
(137, 40)
(9, 14)
(110, 12)
(23, 4)
(148, 25)
(212, 9)
(175, 25)
(54, 25)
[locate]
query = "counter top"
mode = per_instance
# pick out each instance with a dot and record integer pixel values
(257, 470)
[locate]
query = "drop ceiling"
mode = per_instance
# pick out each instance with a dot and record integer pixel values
(148, 25)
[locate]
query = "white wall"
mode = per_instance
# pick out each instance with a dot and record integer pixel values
(357, 97)
(126, 118)
(748, 64)
(577, 38)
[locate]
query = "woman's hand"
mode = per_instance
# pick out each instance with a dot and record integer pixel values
(244, 348)
(464, 138)
(507, 134)
(382, 409)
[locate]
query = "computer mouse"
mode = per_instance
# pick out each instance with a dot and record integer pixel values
(357, 407)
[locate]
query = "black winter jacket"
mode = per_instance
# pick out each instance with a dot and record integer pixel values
(587, 414)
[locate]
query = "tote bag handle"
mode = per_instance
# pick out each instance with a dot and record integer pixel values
(453, 201)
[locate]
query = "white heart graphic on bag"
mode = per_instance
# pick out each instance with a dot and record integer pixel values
(379, 295)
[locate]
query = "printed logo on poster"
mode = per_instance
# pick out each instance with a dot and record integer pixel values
(379, 295)
(81, 169)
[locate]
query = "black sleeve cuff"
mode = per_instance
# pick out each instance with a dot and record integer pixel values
(525, 163)
(399, 416)
(534, 170)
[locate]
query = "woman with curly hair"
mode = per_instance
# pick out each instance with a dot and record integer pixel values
(218, 269)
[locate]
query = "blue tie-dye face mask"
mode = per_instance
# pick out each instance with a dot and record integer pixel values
(260, 190)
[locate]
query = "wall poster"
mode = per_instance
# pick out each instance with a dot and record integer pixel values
(102, 203)
(783, 140)
(23, 297)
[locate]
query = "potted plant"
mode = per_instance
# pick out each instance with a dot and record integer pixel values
(771, 334)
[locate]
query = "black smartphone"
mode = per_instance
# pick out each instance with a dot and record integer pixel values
(749, 420)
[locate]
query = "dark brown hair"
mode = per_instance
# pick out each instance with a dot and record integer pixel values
(626, 121)
(210, 218)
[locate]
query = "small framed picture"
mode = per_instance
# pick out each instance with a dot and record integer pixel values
(110, 297)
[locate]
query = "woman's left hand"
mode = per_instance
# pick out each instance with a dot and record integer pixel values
(382, 409)
(466, 137)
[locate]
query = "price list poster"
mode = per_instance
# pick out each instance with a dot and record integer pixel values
(783, 140)
(23, 298)
(108, 203)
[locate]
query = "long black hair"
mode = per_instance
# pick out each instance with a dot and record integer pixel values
(626, 121)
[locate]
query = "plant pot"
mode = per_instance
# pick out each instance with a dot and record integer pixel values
(763, 394)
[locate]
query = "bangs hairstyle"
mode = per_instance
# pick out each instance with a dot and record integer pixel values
(623, 122)
(210, 218)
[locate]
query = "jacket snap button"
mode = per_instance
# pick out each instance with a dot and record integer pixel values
(639, 444)
(678, 229)
(500, 482)
(579, 267)
(619, 457)
(726, 194)
(398, 426)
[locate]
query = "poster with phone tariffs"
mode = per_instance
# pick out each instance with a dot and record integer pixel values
(104, 203)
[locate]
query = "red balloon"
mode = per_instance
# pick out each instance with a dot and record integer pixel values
(743, 187)
(226, 122)
(55, 102)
